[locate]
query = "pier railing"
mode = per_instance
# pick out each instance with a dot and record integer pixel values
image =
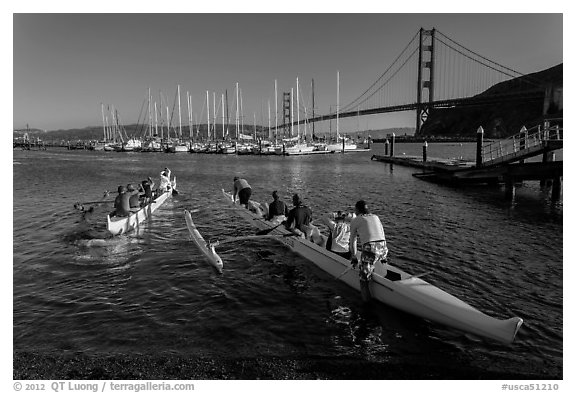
(526, 142)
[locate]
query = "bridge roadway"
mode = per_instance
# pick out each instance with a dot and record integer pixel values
(537, 96)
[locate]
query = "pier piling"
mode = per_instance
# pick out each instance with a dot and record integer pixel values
(547, 157)
(556, 188)
(386, 144)
(392, 145)
(424, 151)
(509, 189)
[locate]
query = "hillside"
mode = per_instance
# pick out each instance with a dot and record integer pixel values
(499, 120)
(96, 133)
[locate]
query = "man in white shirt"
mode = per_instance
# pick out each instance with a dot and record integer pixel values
(368, 228)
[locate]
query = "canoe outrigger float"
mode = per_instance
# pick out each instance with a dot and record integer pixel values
(206, 248)
(119, 225)
(394, 287)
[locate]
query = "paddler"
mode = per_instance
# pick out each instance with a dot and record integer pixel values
(277, 208)
(339, 239)
(165, 183)
(134, 197)
(147, 189)
(122, 203)
(243, 190)
(369, 229)
(300, 216)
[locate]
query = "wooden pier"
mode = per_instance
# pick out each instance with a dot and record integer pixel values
(499, 162)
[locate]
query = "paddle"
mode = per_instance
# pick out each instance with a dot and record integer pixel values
(345, 271)
(418, 275)
(267, 231)
(80, 206)
(241, 238)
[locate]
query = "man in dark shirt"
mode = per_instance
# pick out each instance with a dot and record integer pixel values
(300, 216)
(277, 207)
(122, 202)
(147, 186)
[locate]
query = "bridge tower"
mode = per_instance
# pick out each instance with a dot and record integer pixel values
(286, 113)
(425, 77)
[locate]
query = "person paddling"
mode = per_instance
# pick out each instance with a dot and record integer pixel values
(134, 197)
(165, 183)
(300, 216)
(122, 203)
(277, 208)
(147, 186)
(339, 238)
(369, 229)
(243, 190)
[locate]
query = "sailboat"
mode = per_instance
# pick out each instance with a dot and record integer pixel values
(299, 146)
(342, 143)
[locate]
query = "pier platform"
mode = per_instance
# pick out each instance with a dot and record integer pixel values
(307, 153)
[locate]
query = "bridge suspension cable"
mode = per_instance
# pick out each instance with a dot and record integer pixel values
(514, 72)
(356, 102)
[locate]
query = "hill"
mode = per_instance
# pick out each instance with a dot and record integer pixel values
(502, 119)
(96, 133)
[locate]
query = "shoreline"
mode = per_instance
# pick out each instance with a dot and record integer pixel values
(31, 365)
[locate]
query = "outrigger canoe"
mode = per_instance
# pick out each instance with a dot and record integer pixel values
(394, 287)
(119, 225)
(206, 248)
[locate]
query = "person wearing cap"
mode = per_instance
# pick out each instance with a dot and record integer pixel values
(299, 218)
(339, 239)
(122, 203)
(369, 229)
(165, 183)
(243, 190)
(277, 208)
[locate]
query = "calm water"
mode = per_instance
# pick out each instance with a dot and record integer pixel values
(152, 291)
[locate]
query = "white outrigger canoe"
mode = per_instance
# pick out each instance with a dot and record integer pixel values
(394, 287)
(119, 225)
(206, 248)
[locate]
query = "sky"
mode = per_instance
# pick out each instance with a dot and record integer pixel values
(66, 65)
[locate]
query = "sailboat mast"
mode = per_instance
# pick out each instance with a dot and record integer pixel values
(313, 113)
(149, 112)
(156, 119)
(276, 109)
(189, 115)
(214, 111)
(108, 130)
(161, 121)
(237, 111)
(269, 131)
(167, 123)
(179, 116)
(291, 111)
(298, 107)
(208, 112)
(241, 112)
(227, 115)
(223, 137)
(103, 121)
(337, 105)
